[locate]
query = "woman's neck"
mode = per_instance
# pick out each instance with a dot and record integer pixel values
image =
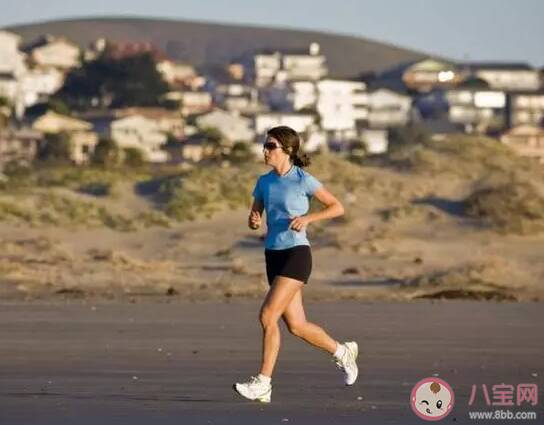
(283, 169)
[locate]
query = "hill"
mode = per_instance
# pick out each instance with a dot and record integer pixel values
(205, 44)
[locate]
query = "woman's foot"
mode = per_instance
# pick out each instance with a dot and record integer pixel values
(254, 389)
(347, 361)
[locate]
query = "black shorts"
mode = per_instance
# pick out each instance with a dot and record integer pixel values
(295, 262)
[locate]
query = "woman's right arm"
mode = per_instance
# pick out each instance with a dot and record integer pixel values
(254, 219)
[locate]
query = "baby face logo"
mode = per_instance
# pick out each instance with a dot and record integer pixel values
(432, 399)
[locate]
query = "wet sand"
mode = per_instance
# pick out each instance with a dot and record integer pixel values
(80, 363)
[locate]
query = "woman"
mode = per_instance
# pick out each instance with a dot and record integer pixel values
(285, 193)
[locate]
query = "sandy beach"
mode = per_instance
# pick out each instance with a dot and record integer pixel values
(79, 362)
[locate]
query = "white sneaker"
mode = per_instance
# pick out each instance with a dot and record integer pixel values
(348, 363)
(254, 390)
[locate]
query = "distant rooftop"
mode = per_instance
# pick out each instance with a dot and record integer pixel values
(499, 65)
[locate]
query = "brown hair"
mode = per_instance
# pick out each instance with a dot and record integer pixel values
(290, 144)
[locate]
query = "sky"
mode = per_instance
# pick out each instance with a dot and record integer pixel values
(467, 30)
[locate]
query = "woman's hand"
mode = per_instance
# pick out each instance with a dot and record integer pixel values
(299, 223)
(254, 220)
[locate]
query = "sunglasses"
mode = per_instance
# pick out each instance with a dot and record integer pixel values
(270, 146)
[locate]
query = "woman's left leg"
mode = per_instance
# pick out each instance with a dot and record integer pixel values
(295, 319)
(278, 298)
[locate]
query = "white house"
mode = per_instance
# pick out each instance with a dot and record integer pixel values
(233, 126)
(168, 121)
(176, 73)
(265, 66)
(280, 66)
(526, 108)
(192, 102)
(388, 108)
(507, 76)
(38, 84)
(263, 121)
(476, 106)
(137, 131)
(302, 65)
(340, 104)
(50, 51)
(376, 141)
(237, 97)
(11, 59)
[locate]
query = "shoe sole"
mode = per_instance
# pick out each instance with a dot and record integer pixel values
(262, 399)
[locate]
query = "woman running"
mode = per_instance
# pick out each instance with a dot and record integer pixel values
(284, 193)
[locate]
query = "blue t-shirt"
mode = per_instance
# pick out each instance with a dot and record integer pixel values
(285, 197)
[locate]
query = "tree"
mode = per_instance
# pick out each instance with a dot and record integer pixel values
(240, 153)
(134, 157)
(107, 153)
(57, 148)
(357, 151)
(110, 82)
(213, 144)
(58, 106)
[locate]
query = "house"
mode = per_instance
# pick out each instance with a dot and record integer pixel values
(19, 146)
(388, 108)
(376, 141)
(429, 74)
(290, 96)
(300, 122)
(137, 131)
(236, 97)
(477, 107)
(12, 60)
(51, 51)
(264, 67)
(232, 126)
(52, 122)
(176, 73)
(168, 121)
(192, 102)
(304, 65)
(526, 108)
(527, 140)
(37, 84)
(340, 105)
(82, 139)
(507, 77)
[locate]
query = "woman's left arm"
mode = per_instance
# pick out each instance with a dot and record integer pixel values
(333, 208)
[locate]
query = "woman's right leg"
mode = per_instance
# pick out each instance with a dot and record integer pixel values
(295, 319)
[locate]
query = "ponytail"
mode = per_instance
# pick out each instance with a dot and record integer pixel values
(301, 160)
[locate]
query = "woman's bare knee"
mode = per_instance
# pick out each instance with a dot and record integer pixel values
(268, 317)
(296, 328)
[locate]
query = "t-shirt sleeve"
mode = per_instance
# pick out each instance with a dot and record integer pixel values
(257, 191)
(311, 184)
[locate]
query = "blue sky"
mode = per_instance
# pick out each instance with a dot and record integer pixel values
(502, 30)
